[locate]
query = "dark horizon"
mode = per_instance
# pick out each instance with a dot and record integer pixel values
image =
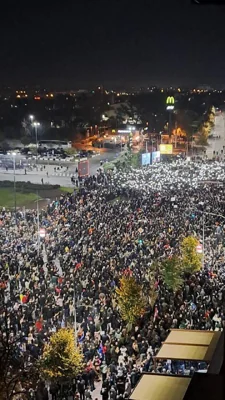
(124, 44)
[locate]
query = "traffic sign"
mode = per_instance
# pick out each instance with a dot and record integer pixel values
(199, 248)
(42, 232)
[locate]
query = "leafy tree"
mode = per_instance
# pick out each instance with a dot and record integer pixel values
(61, 358)
(112, 122)
(172, 273)
(2, 136)
(202, 140)
(5, 145)
(187, 121)
(130, 299)
(191, 260)
(213, 110)
(25, 140)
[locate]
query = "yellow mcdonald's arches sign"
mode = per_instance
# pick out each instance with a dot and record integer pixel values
(170, 100)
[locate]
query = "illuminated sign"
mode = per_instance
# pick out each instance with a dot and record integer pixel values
(166, 148)
(170, 108)
(145, 159)
(199, 249)
(170, 100)
(155, 157)
(42, 232)
(124, 131)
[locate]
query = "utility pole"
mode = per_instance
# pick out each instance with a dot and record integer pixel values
(36, 137)
(203, 240)
(203, 231)
(38, 226)
(14, 181)
(36, 125)
(75, 313)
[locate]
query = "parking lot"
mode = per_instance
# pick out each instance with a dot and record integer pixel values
(51, 169)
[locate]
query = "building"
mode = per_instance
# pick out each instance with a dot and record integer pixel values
(188, 346)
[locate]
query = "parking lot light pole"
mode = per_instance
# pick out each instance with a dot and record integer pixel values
(36, 125)
(38, 227)
(203, 230)
(14, 179)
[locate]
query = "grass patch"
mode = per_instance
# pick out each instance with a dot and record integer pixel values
(22, 199)
(64, 189)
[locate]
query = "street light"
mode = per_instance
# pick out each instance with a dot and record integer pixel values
(14, 179)
(38, 227)
(36, 125)
(31, 117)
(203, 230)
(75, 311)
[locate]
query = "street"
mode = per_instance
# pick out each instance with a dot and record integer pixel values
(217, 144)
(59, 173)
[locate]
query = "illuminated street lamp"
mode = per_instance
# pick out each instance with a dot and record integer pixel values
(14, 179)
(36, 125)
(204, 213)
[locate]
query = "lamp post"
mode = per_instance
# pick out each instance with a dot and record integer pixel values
(36, 125)
(203, 230)
(74, 307)
(14, 179)
(75, 312)
(38, 227)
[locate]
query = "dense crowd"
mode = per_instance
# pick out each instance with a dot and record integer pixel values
(114, 223)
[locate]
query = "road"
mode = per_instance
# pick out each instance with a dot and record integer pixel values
(55, 174)
(217, 144)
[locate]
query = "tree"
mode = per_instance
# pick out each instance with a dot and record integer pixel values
(130, 299)
(5, 145)
(172, 273)
(188, 121)
(2, 136)
(191, 260)
(202, 140)
(61, 358)
(25, 140)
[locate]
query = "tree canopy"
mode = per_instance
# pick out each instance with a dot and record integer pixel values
(131, 301)
(172, 271)
(191, 260)
(61, 357)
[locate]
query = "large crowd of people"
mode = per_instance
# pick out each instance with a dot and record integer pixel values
(115, 222)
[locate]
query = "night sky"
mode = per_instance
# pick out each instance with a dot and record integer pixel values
(115, 43)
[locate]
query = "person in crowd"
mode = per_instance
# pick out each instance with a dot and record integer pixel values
(116, 223)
